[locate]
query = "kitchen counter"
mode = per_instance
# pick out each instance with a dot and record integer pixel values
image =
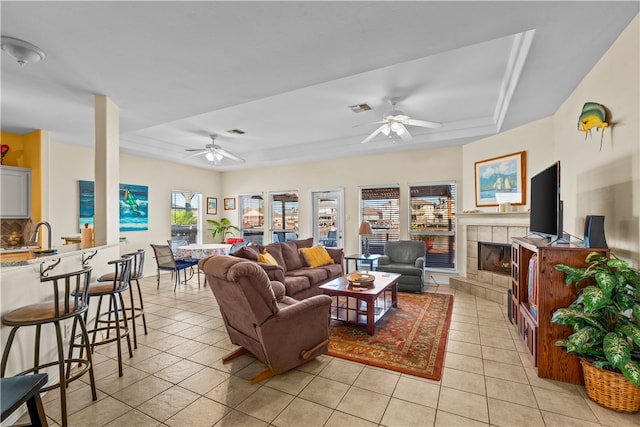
(20, 286)
(13, 258)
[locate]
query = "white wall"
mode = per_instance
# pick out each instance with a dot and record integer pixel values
(535, 138)
(70, 163)
(350, 173)
(594, 182)
(605, 181)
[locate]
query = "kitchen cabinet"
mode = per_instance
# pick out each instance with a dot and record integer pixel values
(15, 194)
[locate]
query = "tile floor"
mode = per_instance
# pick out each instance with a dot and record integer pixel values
(176, 378)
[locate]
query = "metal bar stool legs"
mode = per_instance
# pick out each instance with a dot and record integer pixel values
(70, 293)
(117, 308)
(137, 267)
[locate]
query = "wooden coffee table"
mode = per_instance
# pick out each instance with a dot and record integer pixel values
(362, 305)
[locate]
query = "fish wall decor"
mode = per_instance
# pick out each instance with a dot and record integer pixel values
(593, 116)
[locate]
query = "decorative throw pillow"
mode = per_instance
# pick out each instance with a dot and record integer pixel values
(275, 250)
(266, 258)
(292, 257)
(303, 243)
(316, 256)
(247, 252)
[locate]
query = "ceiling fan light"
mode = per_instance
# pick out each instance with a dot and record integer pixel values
(217, 157)
(385, 130)
(396, 127)
(400, 130)
(210, 156)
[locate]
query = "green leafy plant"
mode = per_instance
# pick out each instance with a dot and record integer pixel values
(605, 317)
(222, 228)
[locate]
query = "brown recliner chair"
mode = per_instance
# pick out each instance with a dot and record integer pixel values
(279, 331)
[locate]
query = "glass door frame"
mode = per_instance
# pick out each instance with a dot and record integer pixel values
(339, 223)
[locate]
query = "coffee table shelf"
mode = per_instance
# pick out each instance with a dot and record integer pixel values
(362, 305)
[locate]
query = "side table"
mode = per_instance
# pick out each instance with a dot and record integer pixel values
(371, 259)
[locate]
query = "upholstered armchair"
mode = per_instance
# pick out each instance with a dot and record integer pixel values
(279, 331)
(405, 257)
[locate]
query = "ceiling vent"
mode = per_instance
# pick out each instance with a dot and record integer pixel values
(236, 131)
(359, 108)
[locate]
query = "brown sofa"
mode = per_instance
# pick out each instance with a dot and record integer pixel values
(300, 281)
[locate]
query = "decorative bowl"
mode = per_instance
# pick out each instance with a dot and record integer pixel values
(361, 279)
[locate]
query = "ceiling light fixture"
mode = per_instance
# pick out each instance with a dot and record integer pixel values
(23, 51)
(209, 156)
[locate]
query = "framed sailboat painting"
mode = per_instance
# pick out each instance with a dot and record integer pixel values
(501, 180)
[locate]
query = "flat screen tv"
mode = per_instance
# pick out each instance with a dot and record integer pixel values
(545, 217)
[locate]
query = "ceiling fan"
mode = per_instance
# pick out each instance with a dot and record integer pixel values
(214, 153)
(395, 122)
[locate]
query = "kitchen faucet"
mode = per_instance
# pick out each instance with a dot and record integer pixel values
(35, 233)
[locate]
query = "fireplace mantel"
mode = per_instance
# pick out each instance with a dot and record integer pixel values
(494, 218)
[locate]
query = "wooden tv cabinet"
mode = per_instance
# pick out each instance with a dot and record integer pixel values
(536, 331)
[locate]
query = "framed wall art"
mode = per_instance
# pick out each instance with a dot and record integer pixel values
(501, 180)
(133, 202)
(229, 203)
(212, 205)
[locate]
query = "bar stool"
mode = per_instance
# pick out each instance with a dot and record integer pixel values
(137, 272)
(117, 308)
(70, 301)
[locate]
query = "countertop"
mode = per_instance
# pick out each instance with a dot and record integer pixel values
(17, 259)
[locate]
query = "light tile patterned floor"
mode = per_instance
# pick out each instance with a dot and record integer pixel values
(176, 378)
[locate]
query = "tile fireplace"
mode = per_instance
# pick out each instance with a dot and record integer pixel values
(485, 242)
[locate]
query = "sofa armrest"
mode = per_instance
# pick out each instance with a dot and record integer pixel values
(383, 260)
(419, 262)
(302, 306)
(337, 254)
(278, 289)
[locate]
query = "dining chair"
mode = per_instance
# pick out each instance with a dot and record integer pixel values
(175, 244)
(167, 261)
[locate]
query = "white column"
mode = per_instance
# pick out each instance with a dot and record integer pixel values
(45, 177)
(107, 171)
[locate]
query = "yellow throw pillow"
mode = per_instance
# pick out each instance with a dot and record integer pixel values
(266, 258)
(316, 256)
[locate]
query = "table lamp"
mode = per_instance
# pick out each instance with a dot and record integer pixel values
(365, 230)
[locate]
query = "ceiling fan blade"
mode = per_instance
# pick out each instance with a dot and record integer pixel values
(421, 123)
(198, 153)
(374, 134)
(229, 155)
(194, 149)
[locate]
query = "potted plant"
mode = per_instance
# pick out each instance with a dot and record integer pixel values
(222, 228)
(605, 320)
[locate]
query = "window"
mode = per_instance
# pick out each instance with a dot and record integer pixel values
(251, 212)
(284, 216)
(380, 206)
(432, 220)
(185, 216)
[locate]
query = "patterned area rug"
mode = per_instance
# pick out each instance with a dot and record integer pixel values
(409, 339)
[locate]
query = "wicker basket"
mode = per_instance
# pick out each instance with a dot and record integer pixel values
(610, 389)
